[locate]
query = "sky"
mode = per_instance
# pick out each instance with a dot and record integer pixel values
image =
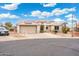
(16, 12)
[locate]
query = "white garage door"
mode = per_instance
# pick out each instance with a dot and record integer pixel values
(28, 29)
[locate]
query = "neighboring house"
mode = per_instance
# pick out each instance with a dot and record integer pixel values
(38, 26)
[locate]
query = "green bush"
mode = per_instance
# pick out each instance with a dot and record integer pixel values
(11, 29)
(65, 30)
(9, 25)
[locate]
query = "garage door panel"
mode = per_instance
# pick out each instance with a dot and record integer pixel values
(28, 29)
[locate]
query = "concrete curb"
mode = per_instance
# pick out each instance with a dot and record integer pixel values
(30, 38)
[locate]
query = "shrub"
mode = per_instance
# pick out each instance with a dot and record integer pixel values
(65, 29)
(11, 29)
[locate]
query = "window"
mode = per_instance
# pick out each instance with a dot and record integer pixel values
(56, 27)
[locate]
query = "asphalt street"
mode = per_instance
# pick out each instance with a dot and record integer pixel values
(40, 47)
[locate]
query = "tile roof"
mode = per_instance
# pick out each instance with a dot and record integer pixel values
(38, 22)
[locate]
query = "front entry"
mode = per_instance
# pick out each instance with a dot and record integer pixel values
(56, 28)
(45, 28)
(41, 28)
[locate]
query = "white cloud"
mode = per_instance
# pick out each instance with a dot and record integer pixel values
(55, 12)
(24, 15)
(59, 11)
(45, 14)
(58, 19)
(40, 14)
(36, 13)
(69, 9)
(49, 4)
(71, 17)
(13, 6)
(8, 15)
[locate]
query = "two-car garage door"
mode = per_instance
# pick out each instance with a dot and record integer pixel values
(27, 29)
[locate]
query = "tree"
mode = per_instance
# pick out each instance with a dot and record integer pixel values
(9, 25)
(1, 24)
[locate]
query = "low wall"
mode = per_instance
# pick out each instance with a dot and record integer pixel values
(76, 34)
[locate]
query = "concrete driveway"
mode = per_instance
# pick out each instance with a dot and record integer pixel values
(27, 36)
(33, 36)
(42, 35)
(43, 47)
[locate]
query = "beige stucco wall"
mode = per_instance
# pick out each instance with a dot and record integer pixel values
(60, 28)
(18, 28)
(28, 29)
(52, 28)
(49, 28)
(38, 29)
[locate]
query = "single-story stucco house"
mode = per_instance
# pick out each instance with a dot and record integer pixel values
(37, 26)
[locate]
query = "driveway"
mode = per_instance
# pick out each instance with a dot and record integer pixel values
(42, 35)
(34, 36)
(43, 47)
(27, 36)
